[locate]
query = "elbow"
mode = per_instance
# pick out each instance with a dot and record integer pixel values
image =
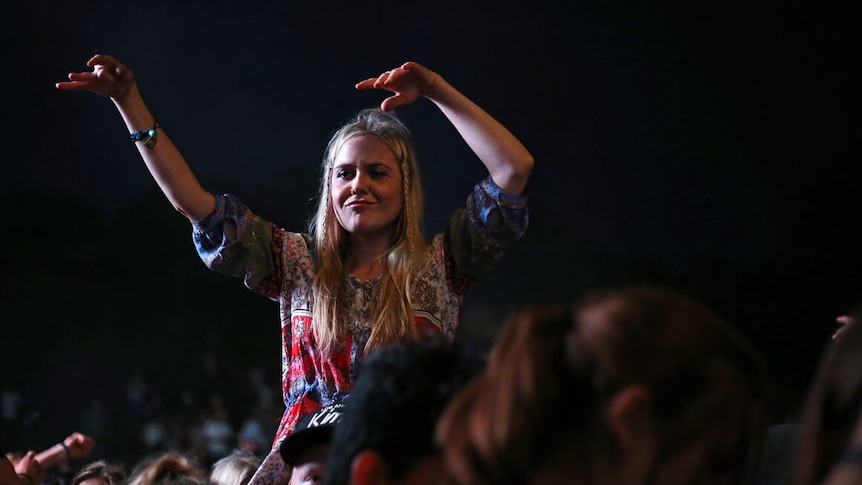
(185, 213)
(195, 209)
(525, 168)
(519, 175)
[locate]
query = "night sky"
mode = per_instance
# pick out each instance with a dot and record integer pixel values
(712, 149)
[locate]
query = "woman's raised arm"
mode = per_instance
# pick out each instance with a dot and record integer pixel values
(112, 79)
(507, 160)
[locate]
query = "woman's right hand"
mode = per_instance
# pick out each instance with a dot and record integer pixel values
(109, 78)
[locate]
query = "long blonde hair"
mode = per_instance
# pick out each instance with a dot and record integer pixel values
(392, 315)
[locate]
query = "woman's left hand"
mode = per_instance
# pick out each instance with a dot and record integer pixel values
(408, 81)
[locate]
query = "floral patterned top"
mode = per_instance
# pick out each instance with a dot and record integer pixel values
(280, 265)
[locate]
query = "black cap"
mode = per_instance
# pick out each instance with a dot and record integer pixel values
(313, 429)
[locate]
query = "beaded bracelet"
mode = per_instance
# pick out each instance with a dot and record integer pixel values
(148, 136)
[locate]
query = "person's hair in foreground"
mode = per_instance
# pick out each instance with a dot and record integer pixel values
(236, 468)
(100, 473)
(833, 410)
(636, 385)
(394, 320)
(388, 421)
(168, 468)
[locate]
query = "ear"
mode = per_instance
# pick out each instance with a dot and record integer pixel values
(629, 417)
(368, 468)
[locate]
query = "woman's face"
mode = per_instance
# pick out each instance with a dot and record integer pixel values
(366, 187)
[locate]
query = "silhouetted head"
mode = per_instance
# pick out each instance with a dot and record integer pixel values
(637, 385)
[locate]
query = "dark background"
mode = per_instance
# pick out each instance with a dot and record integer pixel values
(712, 149)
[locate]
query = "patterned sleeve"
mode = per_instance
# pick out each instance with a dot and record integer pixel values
(481, 232)
(236, 242)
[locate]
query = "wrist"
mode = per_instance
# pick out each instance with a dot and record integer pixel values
(128, 98)
(66, 451)
(435, 88)
(149, 137)
(26, 479)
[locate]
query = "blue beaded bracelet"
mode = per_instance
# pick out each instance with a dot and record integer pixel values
(147, 136)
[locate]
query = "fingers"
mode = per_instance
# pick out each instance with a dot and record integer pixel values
(105, 69)
(80, 445)
(108, 68)
(844, 321)
(412, 66)
(838, 333)
(407, 82)
(101, 59)
(367, 83)
(77, 81)
(380, 82)
(82, 76)
(393, 102)
(105, 73)
(394, 76)
(383, 78)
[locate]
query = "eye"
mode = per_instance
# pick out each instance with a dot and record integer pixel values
(344, 174)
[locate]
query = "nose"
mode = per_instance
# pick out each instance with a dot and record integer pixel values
(357, 185)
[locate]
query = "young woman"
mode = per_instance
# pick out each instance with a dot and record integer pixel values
(363, 275)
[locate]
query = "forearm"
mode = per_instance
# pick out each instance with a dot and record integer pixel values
(53, 456)
(164, 161)
(507, 160)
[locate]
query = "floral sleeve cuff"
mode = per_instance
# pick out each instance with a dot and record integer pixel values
(503, 199)
(498, 210)
(232, 240)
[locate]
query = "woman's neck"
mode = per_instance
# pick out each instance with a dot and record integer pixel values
(367, 258)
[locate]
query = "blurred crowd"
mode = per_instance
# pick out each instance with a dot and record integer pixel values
(637, 385)
(207, 421)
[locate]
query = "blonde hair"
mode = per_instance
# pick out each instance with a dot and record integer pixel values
(234, 469)
(393, 320)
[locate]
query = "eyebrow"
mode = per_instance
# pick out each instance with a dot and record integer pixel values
(366, 164)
